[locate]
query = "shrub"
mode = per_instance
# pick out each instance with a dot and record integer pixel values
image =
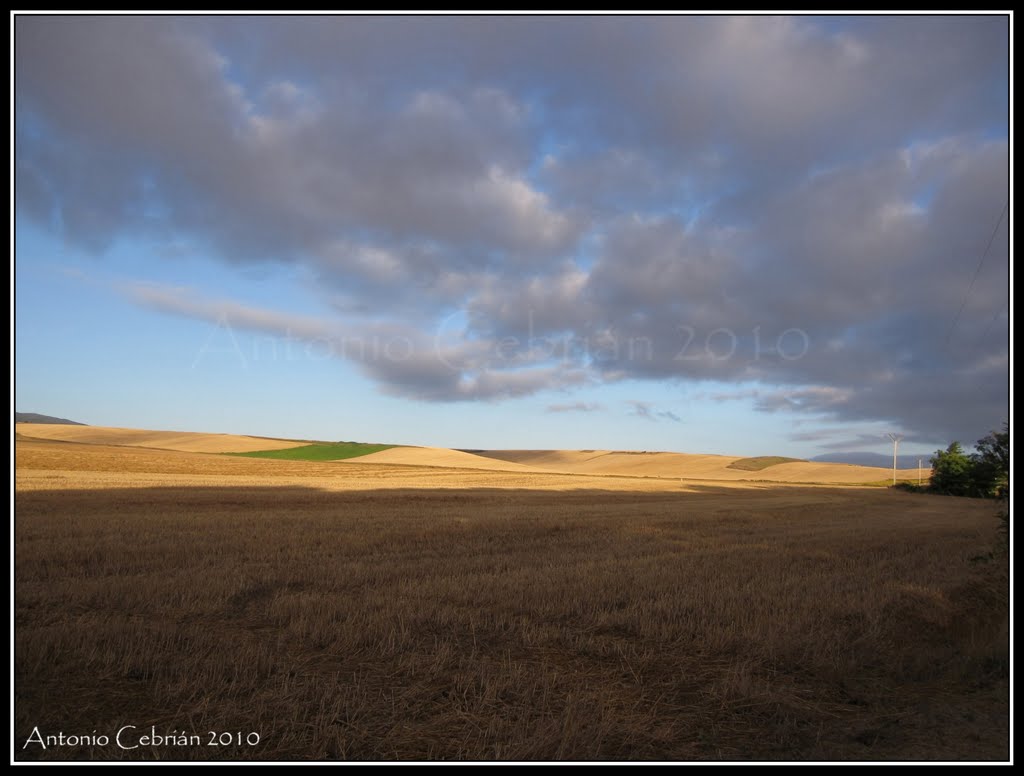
(991, 464)
(951, 471)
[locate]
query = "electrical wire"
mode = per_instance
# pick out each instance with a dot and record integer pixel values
(977, 270)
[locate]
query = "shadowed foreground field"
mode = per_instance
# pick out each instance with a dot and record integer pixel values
(571, 620)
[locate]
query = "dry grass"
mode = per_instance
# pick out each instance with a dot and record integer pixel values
(374, 612)
(165, 440)
(49, 465)
(690, 466)
(588, 462)
(441, 457)
(762, 462)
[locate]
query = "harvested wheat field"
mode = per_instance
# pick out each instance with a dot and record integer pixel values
(440, 457)
(686, 466)
(385, 611)
(164, 440)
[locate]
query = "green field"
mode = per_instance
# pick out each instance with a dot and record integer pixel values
(761, 462)
(328, 451)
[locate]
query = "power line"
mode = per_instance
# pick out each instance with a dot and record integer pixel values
(995, 318)
(977, 270)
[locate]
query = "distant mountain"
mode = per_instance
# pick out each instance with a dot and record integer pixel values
(875, 459)
(35, 417)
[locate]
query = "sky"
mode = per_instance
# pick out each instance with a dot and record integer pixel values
(746, 235)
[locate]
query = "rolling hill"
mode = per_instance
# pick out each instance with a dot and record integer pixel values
(185, 441)
(596, 463)
(35, 417)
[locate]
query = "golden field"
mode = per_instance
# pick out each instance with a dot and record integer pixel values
(590, 462)
(385, 609)
(639, 464)
(165, 440)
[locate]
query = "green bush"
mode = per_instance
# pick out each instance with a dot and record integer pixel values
(991, 464)
(951, 471)
(985, 473)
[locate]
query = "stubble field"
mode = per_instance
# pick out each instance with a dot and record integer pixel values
(382, 611)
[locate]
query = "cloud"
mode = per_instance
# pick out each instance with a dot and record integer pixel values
(646, 410)
(819, 398)
(861, 442)
(404, 360)
(576, 406)
(786, 202)
(271, 171)
(849, 439)
(817, 435)
(641, 409)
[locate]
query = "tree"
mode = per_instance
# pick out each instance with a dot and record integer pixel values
(985, 473)
(992, 475)
(991, 464)
(951, 471)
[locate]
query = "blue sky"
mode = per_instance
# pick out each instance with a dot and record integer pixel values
(706, 234)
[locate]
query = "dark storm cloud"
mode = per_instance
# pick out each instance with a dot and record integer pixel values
(792, 202)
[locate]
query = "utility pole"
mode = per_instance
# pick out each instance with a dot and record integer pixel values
(895, 446)
(919, 472)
